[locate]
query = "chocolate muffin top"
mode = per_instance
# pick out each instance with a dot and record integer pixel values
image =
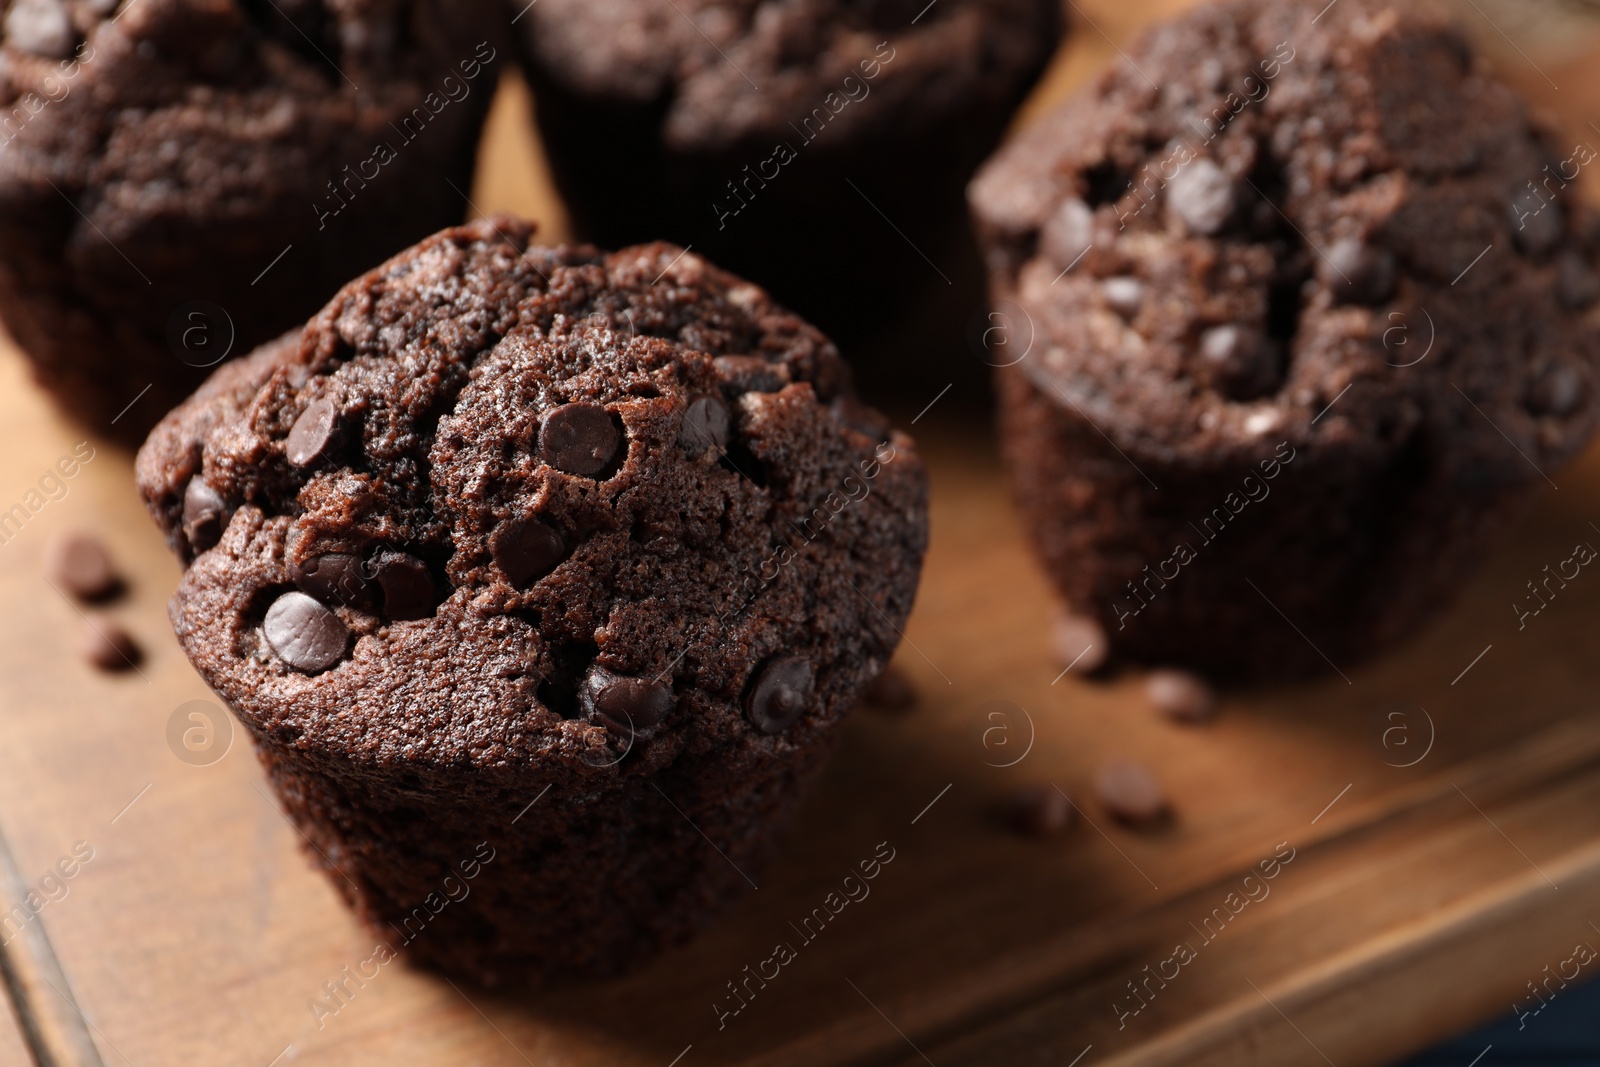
(510, 506)
(1294, 221)
(727, 73)
(123, 123)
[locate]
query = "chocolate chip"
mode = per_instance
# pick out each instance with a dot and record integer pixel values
(1067, 234)
(40, 27)
(1202, 196)
(1558, 390)
(750, 374)
(1358, 273)
(79, 564)
(622, 704)
(1123, 295)
(336, 578)
(408, 589)
(1130, 792)
(579, 439)
(1040, 811)
(1079, 642)
(1181, 695)
(891, 690)
(205, 514)
(305, 632)
(1577, 285)
(780, 694)
(314, 433)
(108, 646)
(526, 549)
(1239, 362)
(705, 426)
(1537, 225)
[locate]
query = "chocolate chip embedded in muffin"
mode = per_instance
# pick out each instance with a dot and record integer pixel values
(544, 554)
(1202, 196)
(408, 588)
(526, 549)
(780, 694)
(336, 578)
(1323, 342)
(579, 439)
(1238, 361)
(305, 632)
(705, 426)
(315, 431)
(1358, 272)
(40, 28)
(181, 181)
(624, 705)
(205, 514)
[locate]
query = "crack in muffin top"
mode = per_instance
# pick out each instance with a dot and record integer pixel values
(1261, 243)
(504, 503)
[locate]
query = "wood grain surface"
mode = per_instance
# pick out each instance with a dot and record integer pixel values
(1416, 901)
(13, 1047)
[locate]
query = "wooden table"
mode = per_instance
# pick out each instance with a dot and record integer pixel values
(1442, 811)
(13, 1049)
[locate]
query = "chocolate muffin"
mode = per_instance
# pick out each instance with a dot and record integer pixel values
(181, 179)
(1301, 304)
(570, 560)
(788, 140)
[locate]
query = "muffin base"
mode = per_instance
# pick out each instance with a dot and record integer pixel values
(1337, 557)
(475, 877)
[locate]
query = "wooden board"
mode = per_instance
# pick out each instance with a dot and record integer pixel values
(1419, 898)
(13, 1048)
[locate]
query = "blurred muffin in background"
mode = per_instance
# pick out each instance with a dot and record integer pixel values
(1305, 307)
(181, 179)
(818, 147)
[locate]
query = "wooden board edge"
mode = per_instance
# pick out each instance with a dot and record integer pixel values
(53, 1027)
(1538, 766)
(1399, 978)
